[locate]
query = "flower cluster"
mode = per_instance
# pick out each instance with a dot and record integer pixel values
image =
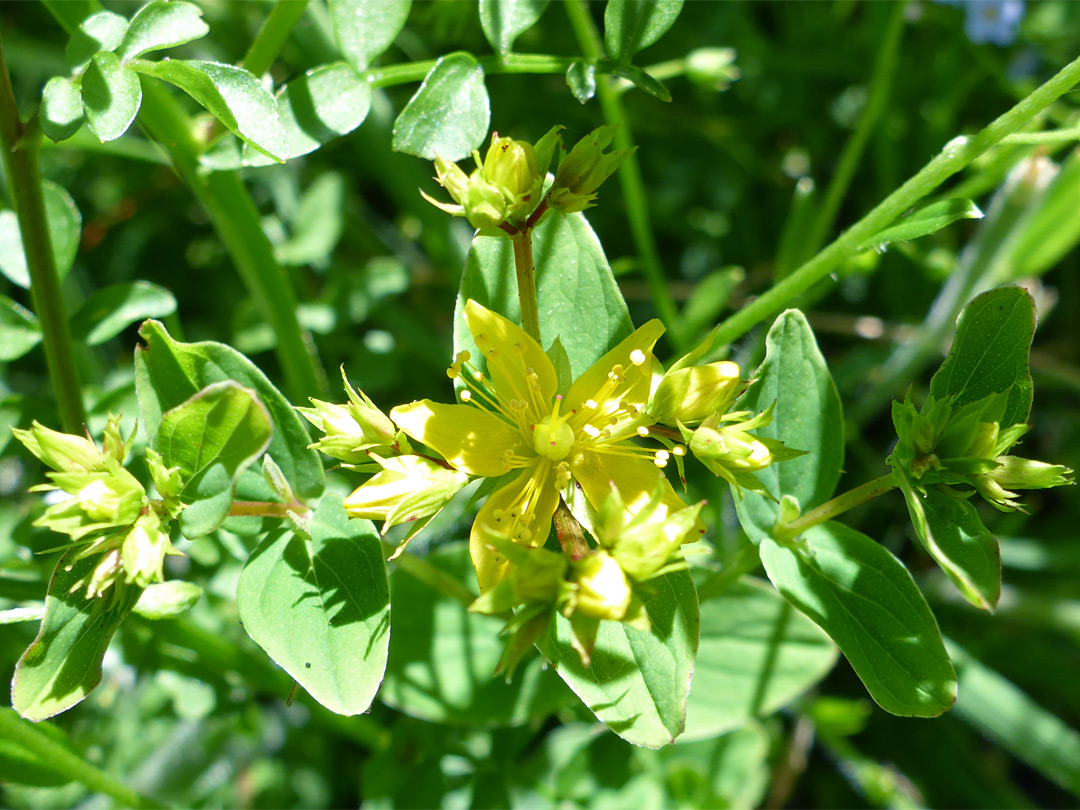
(964, 446)
(504, 193)
(557, 449)
(107, 512)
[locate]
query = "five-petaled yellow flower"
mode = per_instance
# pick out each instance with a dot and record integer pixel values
(513, 420)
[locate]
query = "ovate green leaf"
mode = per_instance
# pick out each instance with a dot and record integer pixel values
(643, 81)
(61, 108)
(989, 354)
(923, 221)
(365, 28)
(756, 654)
(19, 330)
(65, 230)
(504, 21)
(111, 96)
(230, 94)
(63, 664)
(950, 529)
(103, 31)
(325, 103)
(638, 681)
(110, 310)
(449, 114)
(807, 417)
(212, 437)
(320, 607)
(160, 25)
(578, 297)
(168, 372)
(866, 600)
(631, 25)
(581, 79)
(443, 658)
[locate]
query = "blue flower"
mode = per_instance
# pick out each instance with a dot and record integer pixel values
(993, 21)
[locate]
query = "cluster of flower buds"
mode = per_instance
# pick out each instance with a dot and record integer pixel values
(504, 192)
(602, 584)
(108, 512)
(965, 446)
(696, 400)
(355, 433)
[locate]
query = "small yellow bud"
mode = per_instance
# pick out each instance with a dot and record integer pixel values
(693, 394)
(603, 589)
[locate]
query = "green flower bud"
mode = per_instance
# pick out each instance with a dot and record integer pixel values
(690, 395)
(603, 590)
(1019, 473)
(143, 551)
(511, 167)
(712, 68)
(61, 451)
(102, 500)
(408, 488)
(584, 169)
(486, 206)
(354, 429)
(167, 480)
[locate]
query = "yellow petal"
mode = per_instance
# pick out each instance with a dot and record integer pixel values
(635, 480)
(510, 353)
(534, 497)
(472, 440)
(634, 354)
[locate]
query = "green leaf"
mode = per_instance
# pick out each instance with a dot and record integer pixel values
(61, 108)
(63, 664)
(19, 330)
(1001, 711)
(866, 600)
(212, 437)
(449, 114)
(638, 681)
(111, 96)
(65, 230)
(1052, 229)
(443, 658)
(317, 224)
(230, 94)
(168, 372)
(728, 771)
(323, 104)
(808, 416)
(923, 221)
(949, 528)
(103, 31)
(365, 28)
(166, 600)
(989, 354)
(320, 607)
(632, 25)
(504, 21)
(578, 297)
(110, 310)
(756, 654)
(161, 25)
(643, 81)
(581, 79)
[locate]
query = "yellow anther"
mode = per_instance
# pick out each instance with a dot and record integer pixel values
(463, 357)
(637, 357)
(678, 450)
(476, 375)
(590, 403)
(498, 515)
(642, 431)
(466, 396)
(519, 349)
(591, 431)
(453, 372)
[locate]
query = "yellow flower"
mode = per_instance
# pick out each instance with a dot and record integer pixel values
(514, 421)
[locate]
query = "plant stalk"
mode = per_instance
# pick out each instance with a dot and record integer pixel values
(956, 154)
(62, 760)
(837, 506)
(272, 35)
(526, 284)
(21, 147)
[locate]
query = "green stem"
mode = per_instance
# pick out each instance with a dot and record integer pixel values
(837, 506)
(21, 151)
(526, 284)
(957, 154)
(62, 760)
(877, 99)
(633, 186)
(1049, 136)
(272, 35)
(236, 220)
(744, 561)
(506, 63)
(435, 578)
(265, 509)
